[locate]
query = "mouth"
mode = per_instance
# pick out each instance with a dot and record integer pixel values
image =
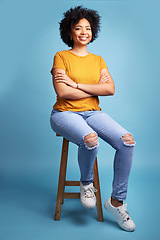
(83, 38)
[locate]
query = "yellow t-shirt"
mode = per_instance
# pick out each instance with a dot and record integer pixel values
(81, 69)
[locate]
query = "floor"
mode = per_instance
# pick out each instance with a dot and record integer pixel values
(27, 205)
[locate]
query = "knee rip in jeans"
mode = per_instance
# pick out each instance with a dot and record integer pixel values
(128, 140)
(91, 141)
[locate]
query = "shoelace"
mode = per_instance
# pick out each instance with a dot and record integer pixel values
(124, 213)
(89, 192)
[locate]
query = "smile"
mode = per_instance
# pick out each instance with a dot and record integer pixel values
(83, 38)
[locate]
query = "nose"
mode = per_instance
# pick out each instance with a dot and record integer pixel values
(83, 31)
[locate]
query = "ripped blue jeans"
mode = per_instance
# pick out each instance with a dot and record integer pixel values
(75, 126)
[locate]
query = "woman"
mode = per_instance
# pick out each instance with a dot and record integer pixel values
(79, 77)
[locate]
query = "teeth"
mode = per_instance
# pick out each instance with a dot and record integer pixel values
(84, 38)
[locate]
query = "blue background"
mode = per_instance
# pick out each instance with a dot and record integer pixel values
(30, 151)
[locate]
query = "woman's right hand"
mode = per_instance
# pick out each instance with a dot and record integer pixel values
(104, 78)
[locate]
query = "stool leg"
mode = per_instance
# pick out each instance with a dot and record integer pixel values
(62, 178)
(98, 193)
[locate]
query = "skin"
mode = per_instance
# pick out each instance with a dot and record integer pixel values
(66, 88)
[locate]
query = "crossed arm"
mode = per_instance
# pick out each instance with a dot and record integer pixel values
(66, 88)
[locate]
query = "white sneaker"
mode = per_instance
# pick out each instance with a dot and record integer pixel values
(121, 215)
(87, 196)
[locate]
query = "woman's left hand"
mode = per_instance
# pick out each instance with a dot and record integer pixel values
(63, 78)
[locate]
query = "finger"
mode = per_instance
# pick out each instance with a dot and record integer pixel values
(101, 81)
(104, 75)
(104, 79)
(59, 77)
(60, 74)
(101, 78)
(107, 78)
(58, 81)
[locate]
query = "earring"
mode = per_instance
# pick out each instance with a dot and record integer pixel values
(71, 38)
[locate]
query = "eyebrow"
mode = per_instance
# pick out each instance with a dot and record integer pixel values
(81, 26)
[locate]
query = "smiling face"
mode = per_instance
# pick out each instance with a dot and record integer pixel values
(81, 32)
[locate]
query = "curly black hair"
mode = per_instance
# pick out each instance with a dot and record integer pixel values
(72, 17)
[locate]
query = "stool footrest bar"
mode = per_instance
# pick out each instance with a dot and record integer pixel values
(71, 195)
(72, 183)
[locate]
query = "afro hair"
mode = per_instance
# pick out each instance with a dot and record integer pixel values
(72, 17)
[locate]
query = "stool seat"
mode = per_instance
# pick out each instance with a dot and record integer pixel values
(61, 194)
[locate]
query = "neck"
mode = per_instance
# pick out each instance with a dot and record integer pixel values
(80, 50)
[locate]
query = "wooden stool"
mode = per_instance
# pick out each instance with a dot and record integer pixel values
(61, 194)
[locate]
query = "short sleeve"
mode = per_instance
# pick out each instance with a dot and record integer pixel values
(58, 62)
(102, 64)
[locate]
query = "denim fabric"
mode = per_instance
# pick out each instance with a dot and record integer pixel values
(74, 126)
